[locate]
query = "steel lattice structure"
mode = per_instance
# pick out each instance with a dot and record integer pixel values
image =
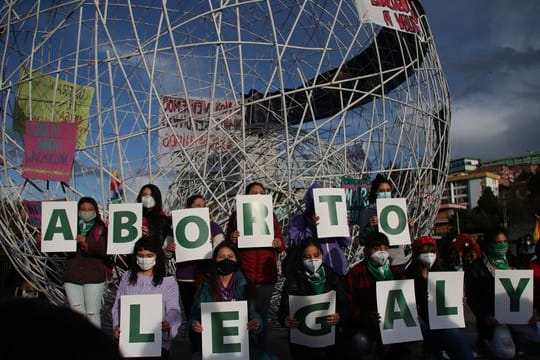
(312, 93)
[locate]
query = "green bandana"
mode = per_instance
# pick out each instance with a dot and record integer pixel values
(379, 272)
(496, 253)
(317, 280)
(85, 227)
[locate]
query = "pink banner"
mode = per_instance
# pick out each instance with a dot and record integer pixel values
(33, 210)
(49, 148)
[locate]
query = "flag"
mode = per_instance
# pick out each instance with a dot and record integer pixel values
(116, 188)
(536, 235)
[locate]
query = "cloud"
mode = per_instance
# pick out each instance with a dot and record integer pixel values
(498, 122)
(491, 60)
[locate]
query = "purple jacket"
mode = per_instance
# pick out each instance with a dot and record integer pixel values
(302, 227)
(188, 270)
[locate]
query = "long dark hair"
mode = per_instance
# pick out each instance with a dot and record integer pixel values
(213, 274)
(157, 220)
(160, 270)
(90, 200)
(156, 194)
(379, 179)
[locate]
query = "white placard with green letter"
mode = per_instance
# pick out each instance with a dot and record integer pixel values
(396, 305)
(513, 296)
(125, 227)
(255, 220)
(331, 208)
(192, 234)
(445, 300)
(393, 220)
(311, 312)
(225, 334)
(59, 226)
(140, 325)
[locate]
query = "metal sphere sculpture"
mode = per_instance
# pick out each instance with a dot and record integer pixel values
(205, 97)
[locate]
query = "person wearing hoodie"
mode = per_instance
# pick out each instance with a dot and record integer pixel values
(304, 226)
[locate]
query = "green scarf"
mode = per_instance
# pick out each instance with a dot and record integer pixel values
(496, 253)
(85, 227)
(317, 279)
(379, 272)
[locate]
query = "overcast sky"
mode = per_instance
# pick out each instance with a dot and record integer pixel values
(490, 53)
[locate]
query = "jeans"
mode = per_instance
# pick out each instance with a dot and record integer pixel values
(86, 299)
(264, 296)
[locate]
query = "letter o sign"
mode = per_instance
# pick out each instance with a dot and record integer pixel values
(401, 216)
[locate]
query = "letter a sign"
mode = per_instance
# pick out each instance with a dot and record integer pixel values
(396, 304)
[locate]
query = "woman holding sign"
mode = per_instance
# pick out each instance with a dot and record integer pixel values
(493, 337)
(360, 287)
(304, 226)
(188, 272)
(424, 261)
(84, 270)
(147, 275)
(381, 188)
(156, 224)
(259, 264)
(309, 276)
(223, 282)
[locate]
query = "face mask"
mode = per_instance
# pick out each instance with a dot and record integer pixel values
(312, 265)
(31, 294)
(87, 216)
(497, 250)
(379, 257)
(384, 195)
(427, 259)
(146, 263)
(148, 201)
(226, 266)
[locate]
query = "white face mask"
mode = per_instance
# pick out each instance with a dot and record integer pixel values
(87, 216)
(427, 259)
(146, 263)
(30, 294)
(312, 265)
(384, 195)
(148, 201)
(379, 257)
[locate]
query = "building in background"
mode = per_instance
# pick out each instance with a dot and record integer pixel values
(466, 188)
(467, 178)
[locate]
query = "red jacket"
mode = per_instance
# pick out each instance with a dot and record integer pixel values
(259, 265)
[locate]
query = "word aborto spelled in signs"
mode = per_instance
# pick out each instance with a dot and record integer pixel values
(191, 227)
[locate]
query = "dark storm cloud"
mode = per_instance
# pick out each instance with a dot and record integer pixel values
(491, 59)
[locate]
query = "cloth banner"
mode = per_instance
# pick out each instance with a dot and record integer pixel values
(49, 148)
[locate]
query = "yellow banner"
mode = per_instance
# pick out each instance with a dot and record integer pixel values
(51, 100)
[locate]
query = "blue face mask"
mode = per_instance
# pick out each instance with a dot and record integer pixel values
(384, 195)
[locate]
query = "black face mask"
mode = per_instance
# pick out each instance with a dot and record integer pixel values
(226, 266)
